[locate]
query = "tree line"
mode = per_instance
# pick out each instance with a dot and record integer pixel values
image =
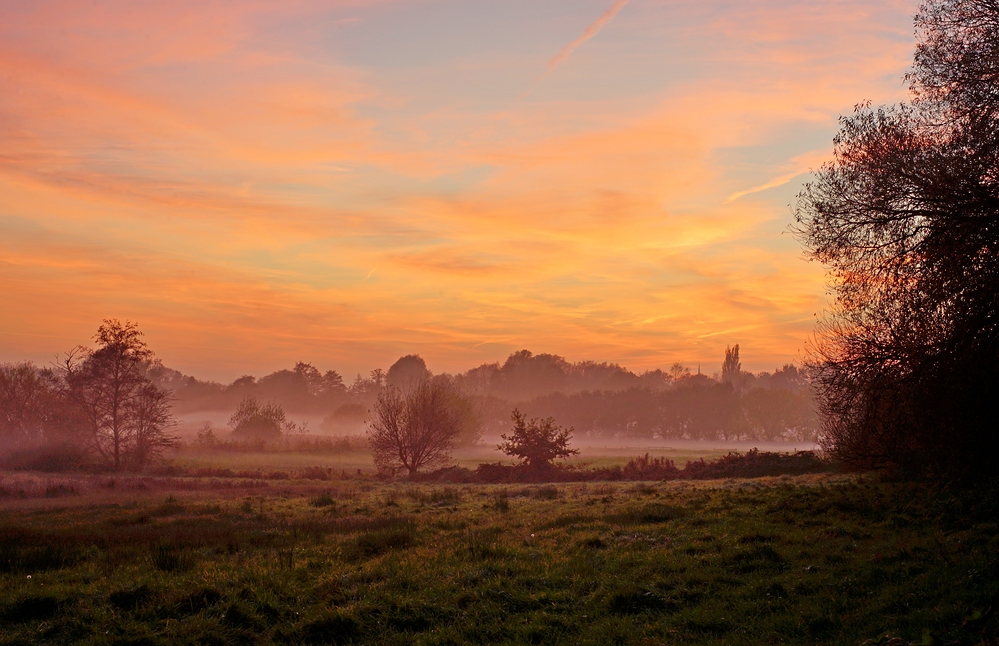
(98, 405)
(598, 399)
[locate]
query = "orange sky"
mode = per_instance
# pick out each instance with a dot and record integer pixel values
(344, 182)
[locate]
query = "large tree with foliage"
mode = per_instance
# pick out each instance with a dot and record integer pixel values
(906, 220)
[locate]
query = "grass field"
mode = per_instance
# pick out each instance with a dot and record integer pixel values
(815, 559)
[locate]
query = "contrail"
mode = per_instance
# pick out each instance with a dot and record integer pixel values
(590, 32)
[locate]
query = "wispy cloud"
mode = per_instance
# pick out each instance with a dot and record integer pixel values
(800, 165)
(589, 33)
(253, 188)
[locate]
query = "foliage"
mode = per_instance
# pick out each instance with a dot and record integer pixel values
(407, 372)
(650, 468)
(752, 464)
(29, 402)
(731, 367)
(834, 561)
(595, 398)
(416, 429)
(905, 221)
(537, 443)
(47, 457)
(766, 407)
(253, 420)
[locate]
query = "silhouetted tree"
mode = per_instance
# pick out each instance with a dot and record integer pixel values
(407, 372)
(416, 429)
(731, 368)
(126, 414)
(538, 442)
(678, 371)
(150, 415)
(366, 390)
(28, 397)
(906, 220)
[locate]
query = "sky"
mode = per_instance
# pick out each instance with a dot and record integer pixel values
(344, 182)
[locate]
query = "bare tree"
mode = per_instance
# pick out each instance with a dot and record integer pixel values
(150, 413)
(416, 429)
(126, 413)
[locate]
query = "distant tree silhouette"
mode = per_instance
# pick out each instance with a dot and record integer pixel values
(537, 443)
(906, 220)
(366, 390)
(597, 399)
(731, 368)
(678, 371)
(253, 420)
(407, 372)
(415, 429)
(318, 384)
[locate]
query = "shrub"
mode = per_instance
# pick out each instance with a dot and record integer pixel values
(755, 464)
(259, 421)
(538, 442)
(49, 458)
(315, 473)
(649, 468)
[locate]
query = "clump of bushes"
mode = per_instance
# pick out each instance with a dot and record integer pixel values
(753, 464)
(649, 468)
(208, 439)
(48, 458)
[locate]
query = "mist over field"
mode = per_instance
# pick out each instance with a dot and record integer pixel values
(599, 400)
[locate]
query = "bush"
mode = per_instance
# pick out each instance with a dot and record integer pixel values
(50, 458)
(315, 473)
(649, 468)
(755, 464)
(538, 442)
(257, 421)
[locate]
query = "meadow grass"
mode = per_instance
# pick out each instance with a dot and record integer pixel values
(816, 559)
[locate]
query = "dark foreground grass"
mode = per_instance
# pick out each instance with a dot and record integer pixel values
(817, 559)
